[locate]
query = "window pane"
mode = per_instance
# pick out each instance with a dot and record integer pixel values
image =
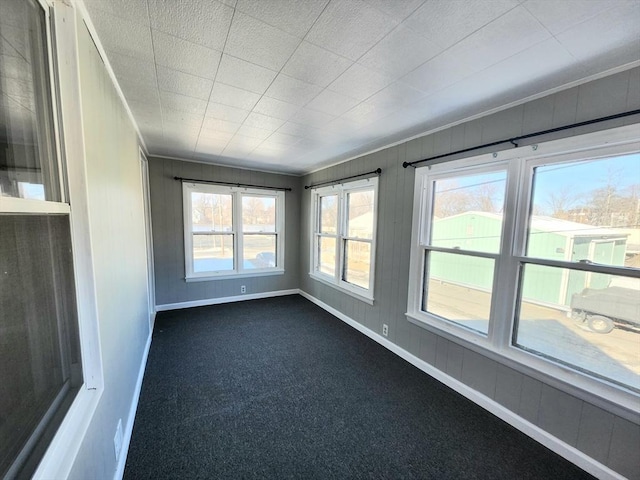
(467, 212)
(258, 214)
(357, 259)
(211, 212)
(458, 288)
(28, 168)
(259, 251)
(329, 214)
(360, 220)
(39, 345)
(587, 320)
(327, 255)
(212, 253)
(588, 210)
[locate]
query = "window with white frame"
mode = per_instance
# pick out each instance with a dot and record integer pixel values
(344, 236)
(534, 254)
(232, 231)
(40, 360)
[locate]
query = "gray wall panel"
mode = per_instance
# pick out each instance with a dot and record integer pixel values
(563, 415)
(168, 232)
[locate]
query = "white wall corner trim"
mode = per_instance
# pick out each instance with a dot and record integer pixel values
(563, 449)
(216, 301)
(128, 430)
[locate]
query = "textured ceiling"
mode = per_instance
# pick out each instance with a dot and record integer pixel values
(294, 85)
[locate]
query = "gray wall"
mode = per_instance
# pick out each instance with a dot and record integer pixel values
(168, 232)
(606, 437)
(118, 245)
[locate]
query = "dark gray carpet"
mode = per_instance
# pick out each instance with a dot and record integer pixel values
(278, 388)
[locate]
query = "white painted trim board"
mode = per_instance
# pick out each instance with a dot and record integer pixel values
(217, 301)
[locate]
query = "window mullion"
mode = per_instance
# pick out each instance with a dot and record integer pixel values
(237, 227)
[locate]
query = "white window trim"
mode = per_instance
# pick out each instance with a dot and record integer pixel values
(496, 344)
(238, 236)
(335, 281)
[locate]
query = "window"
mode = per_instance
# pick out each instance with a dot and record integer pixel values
(40, 362)
(535, 256)
(232, 231)
(344, 231)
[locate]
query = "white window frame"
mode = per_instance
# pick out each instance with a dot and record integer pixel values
(497, 343)
(237, 193)
(342, 191)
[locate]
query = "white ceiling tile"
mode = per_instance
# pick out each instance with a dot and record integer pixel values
(275, 108)
(140, 92)
(332, 103)
(615, 28)
(243, 74)
(350, 28)
(230, 3)
(506, 36)
(294, 129)
(312, 117)
(271, 147)
(184, 118)
(182, 103)
(292, 90)
(234, 97)
(284, 139)
(205, 23)
(226, 112)
(315, 65)
(366, 113)
(149, 110)
(133, 70)
(134, 10)
(175, 81)
(241, 144)
(359, 82)
(395, 96)
(254, 132)
(259, 43)
(211, 146)
(292, 16)
(569, 13)
(448, 22)
(263, 121)
(436, 74)
(398, 10)
(210, 126)
(187, 57)
(216, 136)
(399, 52)
(123, 36)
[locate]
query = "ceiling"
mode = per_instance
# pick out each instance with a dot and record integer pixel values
(295, 85)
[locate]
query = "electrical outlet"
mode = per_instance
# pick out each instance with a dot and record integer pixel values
(243, 289)
(117, 439)
(385, 329)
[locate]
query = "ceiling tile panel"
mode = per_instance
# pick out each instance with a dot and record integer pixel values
(436, 74)
(570, 13)
(245, 75)
(275, 108)
(185, 56)
(398, 10)
(446, 23)
(350, 28)
(259, 43)
(123, 36)
(210, 126)
(332, 103)
(234, 97)
(133, 10)
(226, 112)
(254, 132)
(216, 136)
(263, 121)
(359, 82)
(284, 139)
(142, 93)
(395, 96)
(174, 81)
(506, 36)
(312, 118)
(182, 103)
(292, 90)
(184, 118)
(204, 22)
(315, 65)
(399, 53)
(292, 16)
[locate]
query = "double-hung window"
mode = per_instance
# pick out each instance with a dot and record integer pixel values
(232, 231)
(344, 236)
(40, 363)
(533, 254)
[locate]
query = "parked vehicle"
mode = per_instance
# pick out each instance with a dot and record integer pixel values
(603, 309)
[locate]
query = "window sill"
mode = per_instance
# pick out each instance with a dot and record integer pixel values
(354, 294)
(228, 276)
(612, 398)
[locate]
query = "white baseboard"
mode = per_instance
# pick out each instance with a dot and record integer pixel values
(216, 301)
(545, 438)
(128, 430)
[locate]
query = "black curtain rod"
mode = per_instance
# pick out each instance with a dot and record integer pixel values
(234, 184)
(513, 140)
(377, 171)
